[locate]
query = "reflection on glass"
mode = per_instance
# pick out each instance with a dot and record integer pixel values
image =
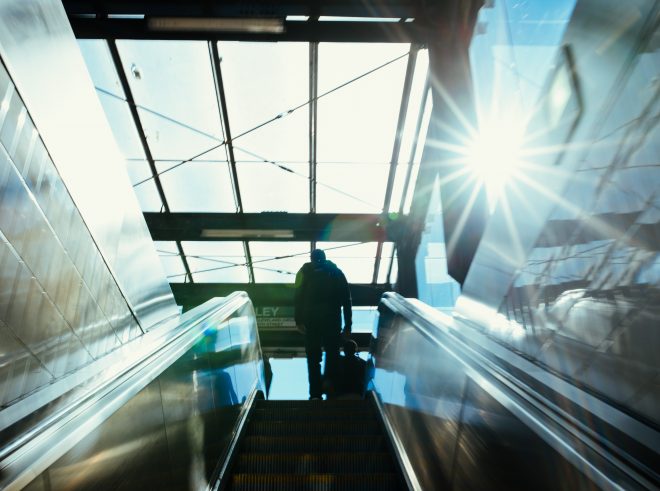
(511, 55)
(216, 262)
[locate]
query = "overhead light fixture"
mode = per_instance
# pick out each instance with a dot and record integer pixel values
(246, 233)
(335, 18)
(266, 26)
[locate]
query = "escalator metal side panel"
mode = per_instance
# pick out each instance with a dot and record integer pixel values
(461, 418)
(166, 420)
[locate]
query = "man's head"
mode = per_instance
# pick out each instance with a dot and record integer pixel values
(317, 256)
(350, 347)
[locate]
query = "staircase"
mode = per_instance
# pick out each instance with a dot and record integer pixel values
(314, 445)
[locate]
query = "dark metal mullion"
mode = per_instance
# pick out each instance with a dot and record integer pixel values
(222, 105)
(313, 127)
(248, 260)
(413, 149)
(229, 147)
(389, 269)
(403, 109)
(116, 59)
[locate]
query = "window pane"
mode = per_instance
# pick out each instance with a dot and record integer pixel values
(263, 80)
(104, 76)
(171, 261)
(198, 187)
(355, 259)
(357, 123)
(351, 188)
(173, 79)
(408, 137)
(147, 194)
(267, 187)
(267, 269)
(385, 260)
(216, 262)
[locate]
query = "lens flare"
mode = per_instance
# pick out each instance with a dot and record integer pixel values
(495, 154)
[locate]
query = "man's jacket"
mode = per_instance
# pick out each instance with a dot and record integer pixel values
(321, 292)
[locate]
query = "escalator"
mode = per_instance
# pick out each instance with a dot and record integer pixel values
(314, 445)
(183, 408)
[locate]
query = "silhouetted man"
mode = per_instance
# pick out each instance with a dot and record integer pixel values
(321, 292)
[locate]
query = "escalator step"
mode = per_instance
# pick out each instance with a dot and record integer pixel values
(338, 428)
(315, 482)
(279, 444)
(306, 414)
(320, 463)
(332, 403)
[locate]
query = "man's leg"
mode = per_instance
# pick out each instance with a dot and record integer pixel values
(313, 351)
(331, 343)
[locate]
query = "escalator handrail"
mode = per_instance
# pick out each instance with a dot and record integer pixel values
(26, 457)
(606, 465)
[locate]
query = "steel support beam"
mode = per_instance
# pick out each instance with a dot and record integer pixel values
(313, 105)
(255, 8)
(128, 93)
(281, 294)
(309, 32)
(229, 146)
(396, 149)
(464, 205)
(268, 226)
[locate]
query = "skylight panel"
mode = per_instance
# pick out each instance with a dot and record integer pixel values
(351, 187)
(278, 262)
(100, 67)
(171, 261)
(408, 136)
(355, 259)
(263, 81)
(268, 187)
(357, 122)
(385, 260)
(173, 86)
(198, 187)
(146, 192)
(216, 262)
(109, 91)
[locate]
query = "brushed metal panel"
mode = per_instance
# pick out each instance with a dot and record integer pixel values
(20, 371)
(423, 393)
(496, 451)
(43, 59)
(171, 433)
(8, 270)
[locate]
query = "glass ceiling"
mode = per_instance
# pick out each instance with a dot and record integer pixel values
(267, 92)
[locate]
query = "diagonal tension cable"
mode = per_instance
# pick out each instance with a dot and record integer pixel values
(246, 263)
(304, 176)
(271, 120)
